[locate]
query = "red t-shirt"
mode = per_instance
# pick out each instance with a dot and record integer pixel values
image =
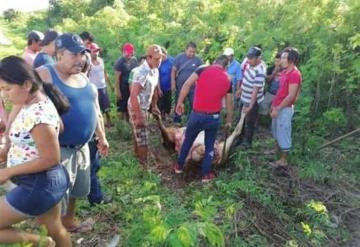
(212, 85)
(287, 78)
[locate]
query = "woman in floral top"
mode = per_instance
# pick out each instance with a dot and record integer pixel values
(33, 157)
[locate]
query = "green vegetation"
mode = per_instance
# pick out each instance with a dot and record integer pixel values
(246, 206)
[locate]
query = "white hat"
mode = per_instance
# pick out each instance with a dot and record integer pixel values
(229, 51)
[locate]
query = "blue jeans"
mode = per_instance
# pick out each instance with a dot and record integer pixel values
(95, 195)
(177, 118)
(199, 122)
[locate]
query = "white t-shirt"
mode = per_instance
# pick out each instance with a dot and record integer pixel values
(97, 74)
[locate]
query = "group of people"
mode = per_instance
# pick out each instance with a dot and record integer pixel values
(55, 132)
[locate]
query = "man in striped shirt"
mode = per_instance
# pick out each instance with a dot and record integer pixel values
(251, 91)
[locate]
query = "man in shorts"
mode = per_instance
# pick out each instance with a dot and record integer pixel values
(80, 122)
(282, 109)
(122, 69)
(145, 79)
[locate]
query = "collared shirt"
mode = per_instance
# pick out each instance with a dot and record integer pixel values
(148, 79)
(234, 71)
(29, 56)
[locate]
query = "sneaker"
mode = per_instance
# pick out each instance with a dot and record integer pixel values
(207, 178)
(178, 169)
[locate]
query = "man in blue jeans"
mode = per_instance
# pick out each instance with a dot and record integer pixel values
(212, 85)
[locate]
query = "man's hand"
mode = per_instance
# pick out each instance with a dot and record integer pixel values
(160, 92)
(156, 111)
(4, 175)
(179, 109)
(246, 109)
(274, 112)
(238, 93)
(228, 126)
(103, 147)
(139, 121)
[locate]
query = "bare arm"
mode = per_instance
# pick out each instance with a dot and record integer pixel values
(185, 91)
(173, 79)
(103, 144)
(293, 92)
(229, 108)
(135, 105)
(46, 140)
(117, 84)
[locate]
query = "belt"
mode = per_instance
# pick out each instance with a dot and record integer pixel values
(206, 113)
(72, 146)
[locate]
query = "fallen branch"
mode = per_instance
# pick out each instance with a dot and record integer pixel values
(340, 138)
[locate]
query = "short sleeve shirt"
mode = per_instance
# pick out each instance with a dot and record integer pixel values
(41, 59)
(254, 76)
(97, 74)
(148, 79)
(29, 56)
(124, 67)
(212, 85)
(165, 74)
(234, 71)
(287, 78)
(185, 66)
(23, 147)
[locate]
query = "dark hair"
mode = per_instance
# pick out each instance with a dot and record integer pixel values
(87, 62)
(293, 54)
(278, 55)
(87, 36)
(191, 44)
(222, 60)
(14, 70)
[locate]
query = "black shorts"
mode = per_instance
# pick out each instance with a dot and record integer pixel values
(125, 94)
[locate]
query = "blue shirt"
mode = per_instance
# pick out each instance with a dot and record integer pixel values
(80, 121)
(234, 71)
(41, 59)
(165, 74)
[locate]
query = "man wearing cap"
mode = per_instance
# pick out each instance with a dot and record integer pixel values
(282, 108)
(80, 122)
(144, 81)
(234, 68)
(212, 85)
(252, 91)
(184, 65)
(33, 46)
(122, 69)
(47, 53)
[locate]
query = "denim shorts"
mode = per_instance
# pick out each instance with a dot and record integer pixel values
(37, 193)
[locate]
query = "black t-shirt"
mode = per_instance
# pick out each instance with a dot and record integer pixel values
(125, 68)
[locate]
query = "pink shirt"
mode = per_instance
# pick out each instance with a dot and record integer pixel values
(29, 56)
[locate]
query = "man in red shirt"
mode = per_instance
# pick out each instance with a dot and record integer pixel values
(282, 109)
(212, 85)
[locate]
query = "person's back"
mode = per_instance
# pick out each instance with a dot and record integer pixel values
(212, 85)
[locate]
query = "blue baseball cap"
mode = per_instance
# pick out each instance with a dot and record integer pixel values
(71, 42)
